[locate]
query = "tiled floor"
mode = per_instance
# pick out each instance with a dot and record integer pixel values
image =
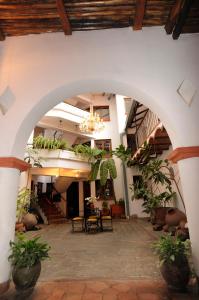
(125, 253)
(118, 265)
(101, 290)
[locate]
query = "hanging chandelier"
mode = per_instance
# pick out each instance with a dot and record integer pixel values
(92, 123)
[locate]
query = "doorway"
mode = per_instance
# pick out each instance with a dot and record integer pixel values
(73, 200)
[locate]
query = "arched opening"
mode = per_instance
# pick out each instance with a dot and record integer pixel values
(59, 94)
(142, 226)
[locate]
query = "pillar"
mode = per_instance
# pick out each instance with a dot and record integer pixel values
(81, 199)
(9, 180)
(188, 164)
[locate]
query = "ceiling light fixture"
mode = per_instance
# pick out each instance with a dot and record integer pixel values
(92, 123)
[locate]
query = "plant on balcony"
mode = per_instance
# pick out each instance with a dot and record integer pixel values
(101, 165)
(123, 153)
(41, 142)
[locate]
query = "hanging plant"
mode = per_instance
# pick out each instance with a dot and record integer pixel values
(112, 168)
(103, 172)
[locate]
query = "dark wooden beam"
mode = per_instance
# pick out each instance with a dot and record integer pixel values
(172, 18)
(182, 19)
(141, 112)
(64, 17)
(139, 14)
(2, 35)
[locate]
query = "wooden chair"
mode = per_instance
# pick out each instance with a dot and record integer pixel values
(106, 222)
(78, 224)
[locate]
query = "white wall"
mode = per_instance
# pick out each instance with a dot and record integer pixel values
(41, 70)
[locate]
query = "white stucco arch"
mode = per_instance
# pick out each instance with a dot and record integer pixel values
(68, 90)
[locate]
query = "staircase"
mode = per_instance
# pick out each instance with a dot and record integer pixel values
(51, 212)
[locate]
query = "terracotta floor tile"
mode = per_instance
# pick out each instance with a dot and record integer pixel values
(149, 296)
(121, 287)
(75, 287)
(96, 286)
(110, 291)
(56, 295)
(127, 296)
(92, 296)
(110, 297)
(72, 297)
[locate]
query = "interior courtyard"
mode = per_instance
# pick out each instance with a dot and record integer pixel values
(99, 152)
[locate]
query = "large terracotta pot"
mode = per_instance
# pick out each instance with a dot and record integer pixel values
(29, 220)
(174, 216)
(26, 278)
(176, 274)
(117, 210)
(158, 215)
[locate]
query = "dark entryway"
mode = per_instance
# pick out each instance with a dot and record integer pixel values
(73, 200)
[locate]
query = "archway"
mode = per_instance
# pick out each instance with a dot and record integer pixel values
(59, 94)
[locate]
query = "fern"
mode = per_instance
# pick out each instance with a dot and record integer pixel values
(103, 172)
(94, 170)
(112, 168)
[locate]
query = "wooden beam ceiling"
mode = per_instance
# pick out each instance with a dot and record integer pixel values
(139, 14)
(182, 18)
(64, 17)
(174, 13)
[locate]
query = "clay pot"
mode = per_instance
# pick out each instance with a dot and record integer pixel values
(176, 274)
(20, 227)
(29, 221)
(158, 216)
(174, 216)
(26, 278)
(117, 210)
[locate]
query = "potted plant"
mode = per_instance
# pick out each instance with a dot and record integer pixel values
(174, 264)
(26, 256)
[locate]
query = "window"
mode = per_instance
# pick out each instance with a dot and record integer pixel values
(103, 112)
(103, 145)
(105, 192)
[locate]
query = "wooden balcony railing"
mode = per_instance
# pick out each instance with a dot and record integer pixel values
(148, 124)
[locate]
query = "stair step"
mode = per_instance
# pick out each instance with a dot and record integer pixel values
(58, 221)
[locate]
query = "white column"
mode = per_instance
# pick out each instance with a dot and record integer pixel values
(81, 198)
(189, 174)
(9, 180)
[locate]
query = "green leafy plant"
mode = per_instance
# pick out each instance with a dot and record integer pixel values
(153, 174)
(105, 167)
(91, 154)
(123, 153)
(41, 142)
(23, 203)
(26, 253)
(121, 202)
(171, 249)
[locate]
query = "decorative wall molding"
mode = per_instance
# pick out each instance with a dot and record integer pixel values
(183, 153)
(14, 163)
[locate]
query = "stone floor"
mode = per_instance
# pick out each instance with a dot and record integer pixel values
(118, 265)
(125, 253)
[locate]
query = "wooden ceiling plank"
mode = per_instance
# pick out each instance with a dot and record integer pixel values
(182, 19)
(2, 35)
(139, 14)
(172, 18)
(64, 17)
